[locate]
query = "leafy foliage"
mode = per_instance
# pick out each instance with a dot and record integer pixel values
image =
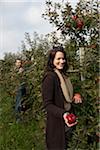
(82, 27)
(24, 135)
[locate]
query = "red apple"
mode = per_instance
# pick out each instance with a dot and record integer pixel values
(71, 118)
(74, 17)
(79, 23)
(77, 96)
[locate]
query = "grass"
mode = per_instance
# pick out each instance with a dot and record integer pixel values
(26, 135)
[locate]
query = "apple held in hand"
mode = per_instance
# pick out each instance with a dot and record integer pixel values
(71, 118)
(77, 96)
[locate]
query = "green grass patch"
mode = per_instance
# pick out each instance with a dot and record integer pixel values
(26, 135)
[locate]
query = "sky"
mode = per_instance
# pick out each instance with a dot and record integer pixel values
(20, 16)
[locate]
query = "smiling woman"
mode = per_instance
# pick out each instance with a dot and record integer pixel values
(57, 93)
(59, 60)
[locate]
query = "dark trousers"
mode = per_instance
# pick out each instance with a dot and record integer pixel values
(68, 135)
(21, 92)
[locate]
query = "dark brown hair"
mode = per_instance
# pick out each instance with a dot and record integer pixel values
(50, 66)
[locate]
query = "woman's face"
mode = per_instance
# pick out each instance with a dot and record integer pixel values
(59, 60)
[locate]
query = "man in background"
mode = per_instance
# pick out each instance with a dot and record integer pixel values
(20, 89)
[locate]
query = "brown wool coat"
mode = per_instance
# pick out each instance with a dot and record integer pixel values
(53, 100)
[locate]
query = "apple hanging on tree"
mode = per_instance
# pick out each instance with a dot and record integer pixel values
(74, 17)
(79, 23)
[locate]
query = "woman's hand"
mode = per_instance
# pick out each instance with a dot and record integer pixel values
(77, 98)
(66, 121)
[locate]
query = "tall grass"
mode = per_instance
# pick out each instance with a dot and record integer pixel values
(25, 135)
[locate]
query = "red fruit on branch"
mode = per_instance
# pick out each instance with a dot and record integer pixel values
(79, 23)
(71, 118)
(74, 17)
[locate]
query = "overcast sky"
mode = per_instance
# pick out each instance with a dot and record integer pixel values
(20, 16)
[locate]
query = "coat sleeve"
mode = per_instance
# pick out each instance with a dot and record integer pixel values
(48, 95)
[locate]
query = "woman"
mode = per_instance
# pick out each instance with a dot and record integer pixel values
(57, 92)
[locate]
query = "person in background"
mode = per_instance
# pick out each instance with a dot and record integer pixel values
(57, 93)
(20, 89)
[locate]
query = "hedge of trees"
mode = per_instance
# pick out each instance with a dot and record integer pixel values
(82, 47)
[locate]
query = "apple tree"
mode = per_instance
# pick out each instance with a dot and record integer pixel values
(79, 28)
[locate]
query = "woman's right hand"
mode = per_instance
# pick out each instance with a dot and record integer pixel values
(66, 120)
(77, 98)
